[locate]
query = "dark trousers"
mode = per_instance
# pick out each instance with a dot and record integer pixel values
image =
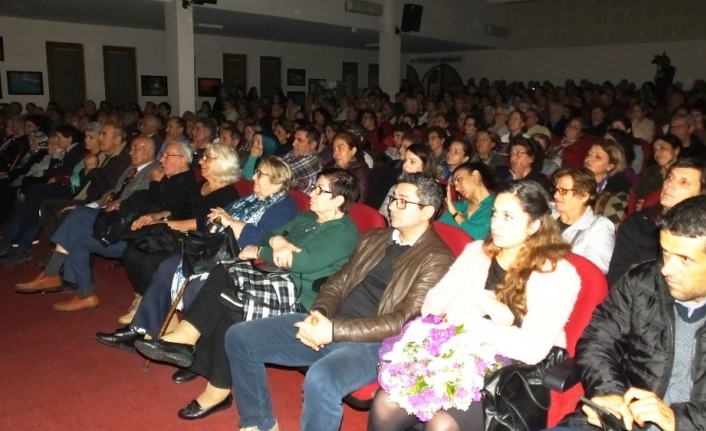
(157, 298)
(212, 319)
(52, 215)
(140, 266)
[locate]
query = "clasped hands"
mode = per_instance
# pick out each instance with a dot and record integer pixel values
(315, 331)
(635, 406)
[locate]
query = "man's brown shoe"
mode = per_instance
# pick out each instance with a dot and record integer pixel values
(41, 283)
(75, 303)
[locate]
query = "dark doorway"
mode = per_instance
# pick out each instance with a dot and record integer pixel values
(234, 70)
(373, 75)
(120, 70)
(270, 75)
(67, 74)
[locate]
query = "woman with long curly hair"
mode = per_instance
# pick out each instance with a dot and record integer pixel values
(514, 291)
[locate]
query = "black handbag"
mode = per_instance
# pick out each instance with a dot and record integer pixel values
(155, 238)
(111, 226)
(202, 251)
(514, 398)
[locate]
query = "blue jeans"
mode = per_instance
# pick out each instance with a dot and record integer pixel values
(75, 235)
(334, 371)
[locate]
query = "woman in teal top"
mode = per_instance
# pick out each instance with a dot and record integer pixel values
(475, 182)
(262, 145)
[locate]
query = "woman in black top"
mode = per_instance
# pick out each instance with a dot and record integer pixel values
(220, 168)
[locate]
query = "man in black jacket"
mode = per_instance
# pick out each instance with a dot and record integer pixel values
(642, 355)
(637, 239)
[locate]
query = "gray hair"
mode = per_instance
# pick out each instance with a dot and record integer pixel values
(428, 189)
(94, 127)
(184, 150)
(687, 117)
(227, 168)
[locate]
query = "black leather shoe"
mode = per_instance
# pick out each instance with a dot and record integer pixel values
(183, 375)
(178, 354)
(123, 338)
(195, 411)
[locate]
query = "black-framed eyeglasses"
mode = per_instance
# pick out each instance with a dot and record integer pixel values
(562, 191)
(319, 190)
(402, 203)
(259, 173)
(205, 157)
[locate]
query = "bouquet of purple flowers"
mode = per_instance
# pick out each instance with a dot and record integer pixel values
(434, 365)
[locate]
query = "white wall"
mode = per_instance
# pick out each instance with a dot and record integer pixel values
(595, 63)
(26, 51)
(320, 62)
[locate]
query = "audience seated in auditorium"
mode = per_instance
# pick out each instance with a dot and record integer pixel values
(640, 356)
(314, 245)
(248, 218)
(220, 169)
(350, 317)
(172, 194)
(637, 238)
(527, 309)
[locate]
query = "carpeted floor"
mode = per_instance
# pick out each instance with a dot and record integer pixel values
(55, 376)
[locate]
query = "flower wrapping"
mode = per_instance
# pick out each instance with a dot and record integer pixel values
(435, 365)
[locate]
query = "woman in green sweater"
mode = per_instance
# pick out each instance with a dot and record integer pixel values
(475, 182)
(314, 245)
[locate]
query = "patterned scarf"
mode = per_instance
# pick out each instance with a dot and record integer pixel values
(248, 210)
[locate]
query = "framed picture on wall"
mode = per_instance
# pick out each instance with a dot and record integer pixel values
(315, 83)
(153, 85)
(296, 77)
(350, 76)
(25, 83)
(209, 87)
(2, 50)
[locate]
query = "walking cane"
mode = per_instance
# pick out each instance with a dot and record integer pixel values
(172, 310)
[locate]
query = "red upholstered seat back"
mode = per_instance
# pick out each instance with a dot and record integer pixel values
(652, 199)
(454, 237)
(302, 199)
(244, 187)
(366, 217)
(594, 287)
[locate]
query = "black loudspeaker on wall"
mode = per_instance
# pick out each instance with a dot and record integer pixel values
(411, 17)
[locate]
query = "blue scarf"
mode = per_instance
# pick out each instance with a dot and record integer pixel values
(250, 209)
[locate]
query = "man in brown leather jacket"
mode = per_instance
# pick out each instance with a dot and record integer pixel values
(381, 287)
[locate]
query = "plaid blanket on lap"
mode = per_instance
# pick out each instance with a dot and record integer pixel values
(275, 293)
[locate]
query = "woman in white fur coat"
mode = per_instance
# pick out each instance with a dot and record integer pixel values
(515, 290)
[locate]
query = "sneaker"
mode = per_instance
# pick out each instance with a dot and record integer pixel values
(15, 258)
